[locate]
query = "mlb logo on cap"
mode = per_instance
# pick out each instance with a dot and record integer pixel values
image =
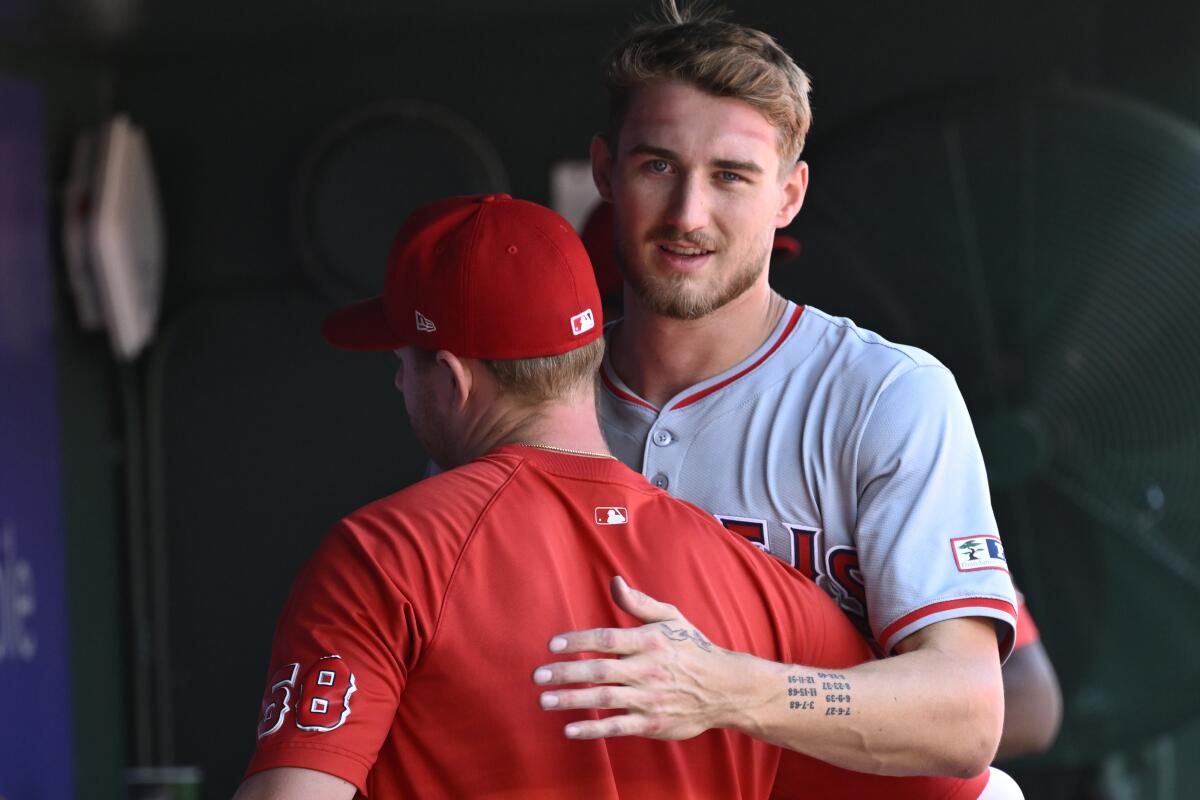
(582, 323)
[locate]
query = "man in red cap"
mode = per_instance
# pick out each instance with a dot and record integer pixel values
(402, 661)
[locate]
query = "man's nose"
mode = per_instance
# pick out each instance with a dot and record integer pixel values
(688, 208)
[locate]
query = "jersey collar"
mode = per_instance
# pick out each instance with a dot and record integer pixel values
(693, 394)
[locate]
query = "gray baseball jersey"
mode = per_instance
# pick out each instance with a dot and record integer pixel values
(843, 454)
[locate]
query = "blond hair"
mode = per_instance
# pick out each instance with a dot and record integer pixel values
(697, 45)
(542, 379)
(539, 380)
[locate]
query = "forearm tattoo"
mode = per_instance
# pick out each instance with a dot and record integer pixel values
(803, 691)
(837, 698)
(684, 635)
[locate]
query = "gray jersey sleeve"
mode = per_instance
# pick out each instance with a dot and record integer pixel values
(927, 540)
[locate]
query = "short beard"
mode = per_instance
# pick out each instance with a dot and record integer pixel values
(673, 296)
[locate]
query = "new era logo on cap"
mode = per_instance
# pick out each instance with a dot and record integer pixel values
(979, 552)
(583, 322)
(425, 324)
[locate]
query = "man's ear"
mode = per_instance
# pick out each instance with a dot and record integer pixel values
(455, 377)
(602, 163)
(795, 185)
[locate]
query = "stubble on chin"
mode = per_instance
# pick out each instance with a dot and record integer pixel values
(688, 297)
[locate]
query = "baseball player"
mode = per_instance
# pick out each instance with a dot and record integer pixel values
(401, 662)
(847, 456)
(1032, 698)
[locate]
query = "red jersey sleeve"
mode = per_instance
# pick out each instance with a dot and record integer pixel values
(340, 658)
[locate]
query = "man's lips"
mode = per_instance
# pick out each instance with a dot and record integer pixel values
(679, 249)
(682, 256)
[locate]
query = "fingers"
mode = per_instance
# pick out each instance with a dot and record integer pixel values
(593, 671)
(592, 697)
(616, 641)
(641, 605)
(620, 725)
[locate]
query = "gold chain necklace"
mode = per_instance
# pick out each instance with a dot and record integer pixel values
(566, 450)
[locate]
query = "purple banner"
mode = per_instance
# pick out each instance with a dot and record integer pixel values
(35, 737)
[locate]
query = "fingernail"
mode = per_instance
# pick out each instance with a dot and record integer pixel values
(549, 700)
(558, 644)
(571, 730)
(541, 675)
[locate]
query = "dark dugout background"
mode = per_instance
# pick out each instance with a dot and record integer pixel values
(219, 459)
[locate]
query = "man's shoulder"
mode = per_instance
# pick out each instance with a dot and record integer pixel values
(865, 349)
(450, 500)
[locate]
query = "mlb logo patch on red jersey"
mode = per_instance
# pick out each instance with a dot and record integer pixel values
(611, 515)
(978, 552)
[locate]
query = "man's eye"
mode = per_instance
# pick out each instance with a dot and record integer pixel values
(658, 165)
(729, 177)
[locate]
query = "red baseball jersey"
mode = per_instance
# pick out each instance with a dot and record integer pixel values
(403, 659)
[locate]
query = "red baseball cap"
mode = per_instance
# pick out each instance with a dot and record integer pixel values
(483, 277)
(597, 237)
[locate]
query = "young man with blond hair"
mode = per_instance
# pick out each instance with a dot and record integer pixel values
(847, 456)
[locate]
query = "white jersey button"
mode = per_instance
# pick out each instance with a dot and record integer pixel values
(659, 480)
(662, 438)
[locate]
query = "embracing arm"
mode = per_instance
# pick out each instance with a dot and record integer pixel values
(934, 709)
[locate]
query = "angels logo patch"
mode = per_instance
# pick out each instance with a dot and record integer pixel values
(978, 552)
